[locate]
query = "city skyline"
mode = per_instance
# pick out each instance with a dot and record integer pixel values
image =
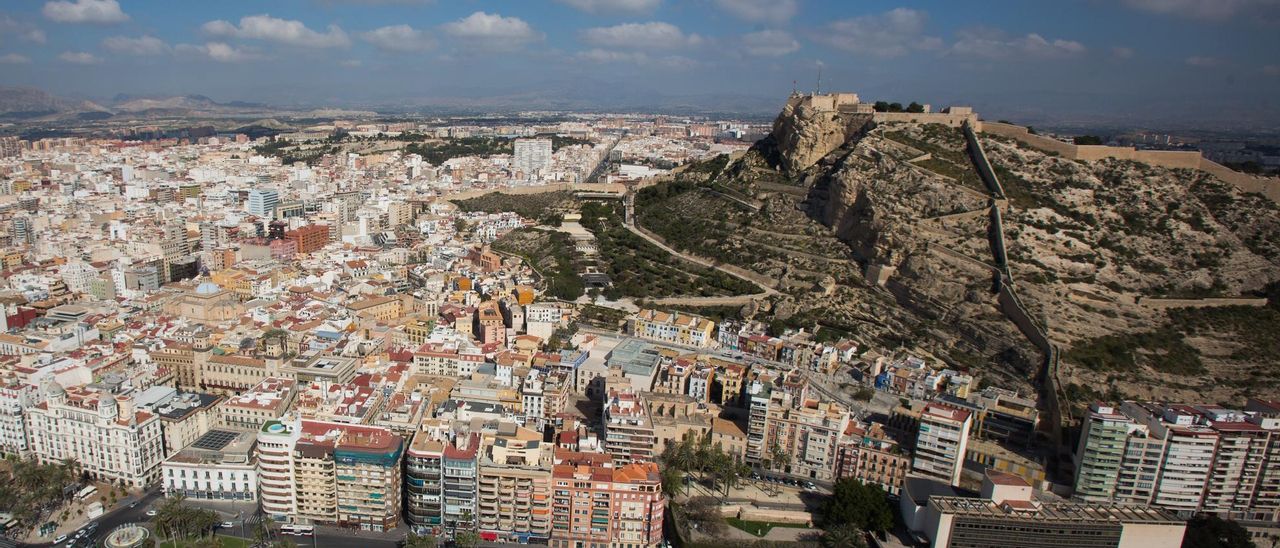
(1135, 60)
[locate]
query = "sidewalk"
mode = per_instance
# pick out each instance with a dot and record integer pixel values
(777, 534)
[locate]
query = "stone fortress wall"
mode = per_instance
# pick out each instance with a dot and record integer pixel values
(955, 116)
(1172, 159)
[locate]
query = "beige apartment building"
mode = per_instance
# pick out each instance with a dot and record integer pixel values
(628, 429)
(514, 491)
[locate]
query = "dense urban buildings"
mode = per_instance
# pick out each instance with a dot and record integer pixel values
(1187, 459)
(349, 342)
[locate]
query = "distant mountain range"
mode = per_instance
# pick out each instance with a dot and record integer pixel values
(128, 103)
(23, 102)
(31, 104)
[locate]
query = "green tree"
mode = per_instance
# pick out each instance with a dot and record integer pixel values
(860, 505)
(415, 540)
(672, 481)
(843, 536)
(780, 458)
(466, 539)
(915, 107)
(1087, 140)
(261, 534)
(1214, 532)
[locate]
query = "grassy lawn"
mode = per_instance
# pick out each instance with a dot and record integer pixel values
(227, 542)
(760, 528)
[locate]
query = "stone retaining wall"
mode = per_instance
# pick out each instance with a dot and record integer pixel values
(1173, 159)
(1202, 303)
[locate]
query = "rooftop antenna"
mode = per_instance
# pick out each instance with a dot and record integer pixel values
(819, 90)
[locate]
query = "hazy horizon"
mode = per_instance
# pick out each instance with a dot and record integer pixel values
(1134, 62)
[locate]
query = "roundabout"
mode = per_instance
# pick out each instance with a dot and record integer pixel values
(129, 535)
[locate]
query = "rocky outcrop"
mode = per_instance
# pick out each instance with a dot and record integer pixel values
(871, 200)
(803, 134)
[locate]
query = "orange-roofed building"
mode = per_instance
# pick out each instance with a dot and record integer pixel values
(596, 504)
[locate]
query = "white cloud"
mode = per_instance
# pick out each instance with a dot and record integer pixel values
(613, 6)
(653, 35)
(609, 57)
(142, 45)
(1271, 70)
(399, 38)
(24, 31)
(283, 31)
(14, 59)
(1035, 44)
(994, 44)
(85, 11)
(891, 34)
(492, 32)
(1209, 10)
(378, 2)
(1204, 61)
(219, 51)
(769, 43)
(79, 57)
(760, 10)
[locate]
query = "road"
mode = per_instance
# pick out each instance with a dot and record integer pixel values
(736, 272)
(603, 163)
(121, 515)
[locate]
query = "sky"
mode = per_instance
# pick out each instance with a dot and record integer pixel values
(1025, 59)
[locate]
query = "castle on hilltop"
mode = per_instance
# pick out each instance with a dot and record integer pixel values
(849, 103)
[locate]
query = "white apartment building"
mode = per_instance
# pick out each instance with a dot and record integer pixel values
(532, 156)
(218, 466)
(276, 442)
(14, 401)
(262, 202)
(941, 443)
(101, 431)
(1185, 458)
(628, 429)
(78, 275)
(532, 400)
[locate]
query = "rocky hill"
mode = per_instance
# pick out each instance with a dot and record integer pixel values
(24, 102)
(831, 199)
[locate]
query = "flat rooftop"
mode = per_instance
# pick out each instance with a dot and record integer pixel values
(1054, 512)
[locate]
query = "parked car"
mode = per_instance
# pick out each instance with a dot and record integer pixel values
(227, 524)
(60, 539)
(151, 513)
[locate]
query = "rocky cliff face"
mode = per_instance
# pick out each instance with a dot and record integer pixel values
(1087, 244)
(874, 201)
(802, 134)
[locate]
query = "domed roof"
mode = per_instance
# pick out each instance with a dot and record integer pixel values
(207, 288)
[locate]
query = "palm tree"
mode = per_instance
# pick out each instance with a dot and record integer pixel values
(672, 481)
(466, 539)
(415, 540)
(260, 534)
(844, 536)
(704, 456)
